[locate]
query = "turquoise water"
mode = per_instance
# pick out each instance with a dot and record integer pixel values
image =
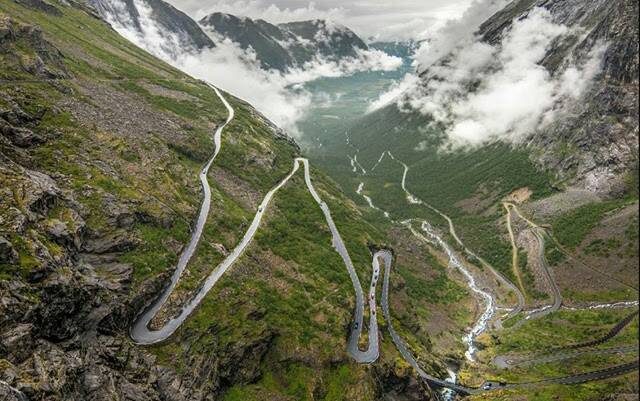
(337, 102)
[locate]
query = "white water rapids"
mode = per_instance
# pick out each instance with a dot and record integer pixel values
(486, 297)
(490, 307)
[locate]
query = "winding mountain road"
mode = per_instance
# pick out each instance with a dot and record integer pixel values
(142, 334)
(515, 257)
(569, 254)
(488, 386)
(509, 362)
(557, 295)
(402, 347)
(400, 344)
(538, 233)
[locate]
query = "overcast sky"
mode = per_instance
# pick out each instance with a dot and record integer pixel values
(382, 19)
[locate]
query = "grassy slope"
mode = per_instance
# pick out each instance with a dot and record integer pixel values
(562, 328)
(290, 278)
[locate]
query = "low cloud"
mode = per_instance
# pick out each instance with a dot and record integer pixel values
(456, 33)
(236, 71)
(366, 60)
(280, 96)
(481, 93)
(394, 93)
(453, 33)
(149, 35)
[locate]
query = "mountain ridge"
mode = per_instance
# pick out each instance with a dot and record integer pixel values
(287, 45)
(281, 47)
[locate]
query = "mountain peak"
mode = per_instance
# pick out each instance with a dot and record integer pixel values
(287, 45)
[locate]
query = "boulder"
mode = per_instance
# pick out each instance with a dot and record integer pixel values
(18, 342)
(116, 241)
(67, 233)
(22, 137)
(62, 310)
(43, 193)
(8, 393)
(8, 255)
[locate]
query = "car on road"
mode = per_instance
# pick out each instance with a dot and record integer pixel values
(487, 386)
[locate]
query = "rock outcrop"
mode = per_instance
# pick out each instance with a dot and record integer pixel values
(39, 58)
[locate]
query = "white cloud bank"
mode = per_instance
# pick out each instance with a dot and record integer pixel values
(482, 94)
(279, 96)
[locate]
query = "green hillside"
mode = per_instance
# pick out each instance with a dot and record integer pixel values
(466, 185)
(101, 148)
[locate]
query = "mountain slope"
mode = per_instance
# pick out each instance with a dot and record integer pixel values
(267, 40)
(331, 39)
(598, 139)
(594, 141)
(289, 45)
(100, 149)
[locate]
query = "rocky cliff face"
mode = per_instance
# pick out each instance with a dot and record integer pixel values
(25, 49)
(286, 46)
(596, 142)
(331, 40)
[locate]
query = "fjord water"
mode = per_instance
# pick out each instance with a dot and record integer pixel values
(337, 102)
